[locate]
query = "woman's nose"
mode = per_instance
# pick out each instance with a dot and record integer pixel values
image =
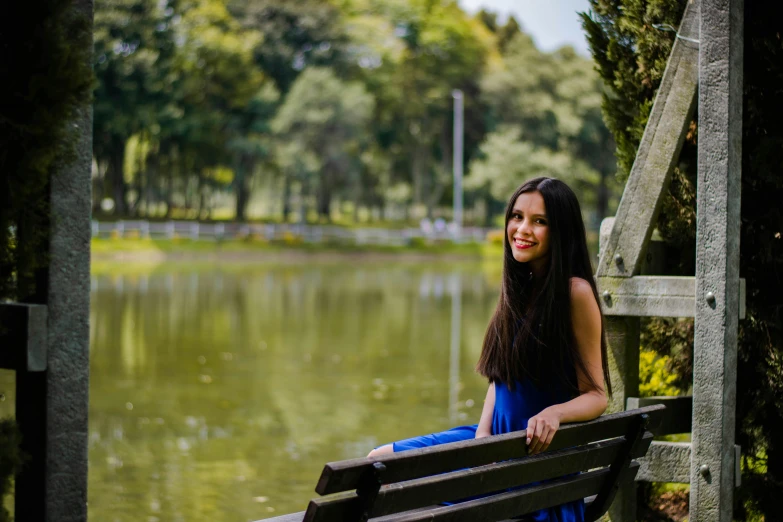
(523, 227)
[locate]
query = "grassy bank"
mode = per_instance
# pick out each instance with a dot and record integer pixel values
(127, 255)
(173, 249)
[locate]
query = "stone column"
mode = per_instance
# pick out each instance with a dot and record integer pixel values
(53, 486)
(717, 260)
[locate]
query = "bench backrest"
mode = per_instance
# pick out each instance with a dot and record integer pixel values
(584, 459)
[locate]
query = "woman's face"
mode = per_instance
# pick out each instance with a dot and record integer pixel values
(528, 231)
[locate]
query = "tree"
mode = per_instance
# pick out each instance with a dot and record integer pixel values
(223, 98)
(505, 160)
(251, 142)
(555, 100)
(295, 35)
(133, 49)
(323, 127)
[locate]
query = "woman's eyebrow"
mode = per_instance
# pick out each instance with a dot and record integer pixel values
(517, 211)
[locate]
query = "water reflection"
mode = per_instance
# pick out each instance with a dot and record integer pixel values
(219, 395)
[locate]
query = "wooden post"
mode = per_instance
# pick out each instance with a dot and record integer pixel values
(622, 337)
(717, 260)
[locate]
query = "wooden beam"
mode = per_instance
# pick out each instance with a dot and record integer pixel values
(658, 153)
(23, 337)
(653, 296)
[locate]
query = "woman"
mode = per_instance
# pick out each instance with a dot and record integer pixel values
(544, 352)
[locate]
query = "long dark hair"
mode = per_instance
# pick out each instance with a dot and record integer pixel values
(530, 335)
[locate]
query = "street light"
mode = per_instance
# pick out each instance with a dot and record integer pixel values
(457, 160)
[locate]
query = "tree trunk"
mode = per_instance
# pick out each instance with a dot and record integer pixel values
(488, 211)
(201, 194)
(242, 187)
(115, 172)
(324, 203)
(153, 174)
(169, 189)
(323, 196)
(417, 169)
(286, 197)
(99, 185)
(303, 193)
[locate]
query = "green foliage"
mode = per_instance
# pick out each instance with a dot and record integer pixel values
(654, 376)
(505, 159)
(554, 100)
(38, 101)
(199, 82)
(11, 460)
(323, 124)
(631, 57)
(672, 341)
(760, 364)
(296, 35)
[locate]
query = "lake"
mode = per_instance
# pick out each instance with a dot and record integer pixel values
(218, 392)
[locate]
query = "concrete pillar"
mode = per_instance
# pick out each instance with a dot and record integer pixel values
(717, 260)
(53, 487)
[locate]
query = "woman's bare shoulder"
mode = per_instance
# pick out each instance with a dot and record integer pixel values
(580, 287)
(582, 294)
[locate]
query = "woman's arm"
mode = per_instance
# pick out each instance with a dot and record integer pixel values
(591, 402)
(485, 424)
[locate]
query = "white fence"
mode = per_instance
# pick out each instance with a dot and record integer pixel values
(285, 232)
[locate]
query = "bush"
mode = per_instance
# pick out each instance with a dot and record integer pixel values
(10, 461)
(496, 237)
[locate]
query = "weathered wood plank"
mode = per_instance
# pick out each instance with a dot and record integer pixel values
(471, 482)
(653, 296)
(658, 153)
(346, 475)
(622, 337)
(679, 412)
(515, 503)
(23, 336)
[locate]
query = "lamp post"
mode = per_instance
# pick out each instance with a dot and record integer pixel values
(457, 161)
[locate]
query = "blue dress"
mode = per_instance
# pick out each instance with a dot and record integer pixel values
(513, 408)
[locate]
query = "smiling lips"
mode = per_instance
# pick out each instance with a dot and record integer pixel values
(522, 244)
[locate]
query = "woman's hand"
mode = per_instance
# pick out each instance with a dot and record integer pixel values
(541, 429)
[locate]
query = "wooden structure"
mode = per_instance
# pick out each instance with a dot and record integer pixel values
(705, 67)
(585, 460)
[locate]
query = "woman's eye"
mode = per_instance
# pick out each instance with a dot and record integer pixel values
(541, 221)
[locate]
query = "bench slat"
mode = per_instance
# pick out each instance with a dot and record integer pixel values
(348, 474)
(515, 503)
(482, 480)
(291, 517)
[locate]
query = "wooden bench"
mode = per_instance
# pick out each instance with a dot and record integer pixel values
(584, 461)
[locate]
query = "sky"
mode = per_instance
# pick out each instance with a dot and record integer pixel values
(552, 23)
